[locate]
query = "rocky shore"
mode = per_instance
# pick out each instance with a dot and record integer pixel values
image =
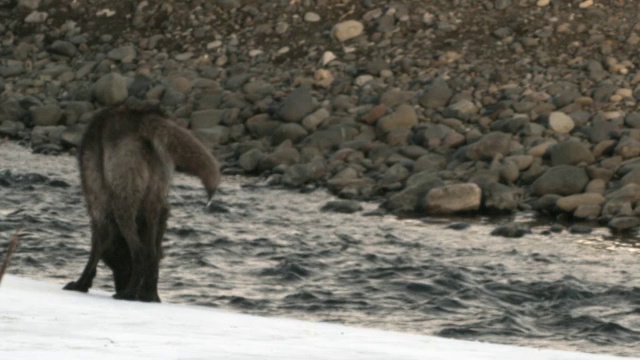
(433, 108)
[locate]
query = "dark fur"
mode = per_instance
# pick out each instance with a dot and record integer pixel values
(127, 157)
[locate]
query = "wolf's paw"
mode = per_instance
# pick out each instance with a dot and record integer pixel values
(125, 295)
(149, 297)
(75, 286)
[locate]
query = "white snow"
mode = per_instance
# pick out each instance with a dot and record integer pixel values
(40, 321)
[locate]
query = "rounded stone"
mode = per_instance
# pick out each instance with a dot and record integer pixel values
(561, 122)
(346, 30)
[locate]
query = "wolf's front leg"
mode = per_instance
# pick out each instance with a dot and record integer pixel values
(98, 236)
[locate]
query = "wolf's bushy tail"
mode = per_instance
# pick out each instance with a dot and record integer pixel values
(189, 155)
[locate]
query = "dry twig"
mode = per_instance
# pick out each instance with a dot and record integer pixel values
(12, 247)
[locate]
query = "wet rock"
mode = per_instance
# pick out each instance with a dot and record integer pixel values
(342, 206)
(511, 231)
(111, 89)
(450, 199)
(436, 94)
(458, 226)
(297, 105)
(624, 223)
(410, 199)
(580, 229)
(347, 30)
(546, 203)
(217, 207)
(561, 180)
(572, 202)
(570, 152)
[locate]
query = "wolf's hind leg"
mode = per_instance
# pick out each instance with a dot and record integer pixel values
(99, 234)
(152, 227)
(118, 258)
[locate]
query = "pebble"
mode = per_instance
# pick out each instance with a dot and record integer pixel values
(347, 30)
(311, 17)
(560, 122)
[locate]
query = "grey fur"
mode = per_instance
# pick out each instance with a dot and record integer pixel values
(127, 157)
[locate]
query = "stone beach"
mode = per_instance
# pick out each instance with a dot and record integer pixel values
(431, 108)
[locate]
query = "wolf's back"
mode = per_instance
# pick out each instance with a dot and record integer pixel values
(153, 131)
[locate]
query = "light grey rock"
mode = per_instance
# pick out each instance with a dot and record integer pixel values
(572, 202)
(347, 30)
(560, 122)
(111, 89)
(455, 198)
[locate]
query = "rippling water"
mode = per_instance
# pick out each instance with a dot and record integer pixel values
(273, 252)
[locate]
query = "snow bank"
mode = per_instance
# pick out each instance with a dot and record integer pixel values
(38, 320)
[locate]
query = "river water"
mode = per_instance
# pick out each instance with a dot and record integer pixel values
(273, 252)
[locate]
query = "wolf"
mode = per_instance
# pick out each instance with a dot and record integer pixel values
(127, 157)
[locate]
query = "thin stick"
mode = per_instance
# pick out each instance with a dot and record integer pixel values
(12, 247)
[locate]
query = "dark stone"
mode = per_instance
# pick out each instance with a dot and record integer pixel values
(511, 231)
(342, 206)
(561, 180)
